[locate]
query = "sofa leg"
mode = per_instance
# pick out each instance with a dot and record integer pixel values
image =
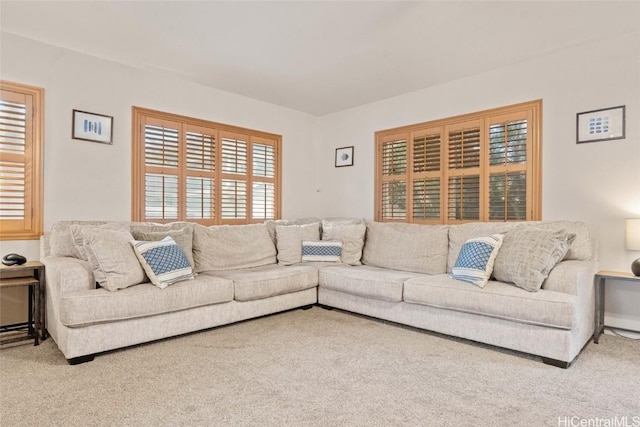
(306, 307)
(556, 363)
(326, 307)
(81, 359)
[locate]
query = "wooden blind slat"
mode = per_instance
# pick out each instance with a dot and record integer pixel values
(234, 156)
(13, 183)
(200, 194)
(200, 150)
(426, 198)
(13, 127)
(394, 200)
(264, 160)
(426, 153)
(264, 200)
(161, 146)
(464, 148)
(508, 142)
(161, 196)
(234, 199)
(394, 157)
(464, 198)
(507, 196)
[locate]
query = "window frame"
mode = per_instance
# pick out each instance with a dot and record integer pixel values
(532, 110)
(34, 173)
(140, 114)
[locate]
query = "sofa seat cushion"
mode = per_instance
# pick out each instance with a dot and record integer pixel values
(496, 299)
(100, 305)
(366, 281)
(269, 280)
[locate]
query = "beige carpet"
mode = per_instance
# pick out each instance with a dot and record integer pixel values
(316, 367)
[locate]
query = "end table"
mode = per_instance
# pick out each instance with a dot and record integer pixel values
(600, 281)
(30, 274)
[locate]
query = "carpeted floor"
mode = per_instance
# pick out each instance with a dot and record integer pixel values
(317, 367)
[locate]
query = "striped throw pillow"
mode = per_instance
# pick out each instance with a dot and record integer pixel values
(321, 250)
(163, 261)
(475, 262)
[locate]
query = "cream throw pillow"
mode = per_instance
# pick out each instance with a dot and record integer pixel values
(528, 254)
(114, 262)
(77, 235)
(351, 236)
(289, 241)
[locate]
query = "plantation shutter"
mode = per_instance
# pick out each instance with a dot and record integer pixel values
(394, 176)
(194, 170)
(463, 171)
(201, 157)
(508, 167)
(263, 192)
(234, 178)
(20, 165)
(483, 166)
(161, 157)
(426, 159)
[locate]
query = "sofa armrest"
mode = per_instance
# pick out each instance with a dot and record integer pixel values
(571, 277)
(66, 275)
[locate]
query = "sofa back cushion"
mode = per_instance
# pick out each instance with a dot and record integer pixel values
(229, 247)
(114, 262)
(351, 236)
(407, 247)
(460, 233)
(180, 232)
(289, 240)
(61, 241)
(581, 248)
(79, 238)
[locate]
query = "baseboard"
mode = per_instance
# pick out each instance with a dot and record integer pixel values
(629, 325)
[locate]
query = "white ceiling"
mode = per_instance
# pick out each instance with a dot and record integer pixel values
(318, 57)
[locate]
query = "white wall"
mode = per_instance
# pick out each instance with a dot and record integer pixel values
(597, 182)
(85, 180)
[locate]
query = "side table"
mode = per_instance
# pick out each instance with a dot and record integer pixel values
(30, 274)
(599, 282)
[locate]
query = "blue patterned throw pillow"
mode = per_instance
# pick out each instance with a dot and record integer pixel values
(321, 250)
(476, 258)
(163, 261)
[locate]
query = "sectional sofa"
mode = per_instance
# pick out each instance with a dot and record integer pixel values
(539, 300)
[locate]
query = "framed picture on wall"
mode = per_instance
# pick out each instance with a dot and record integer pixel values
(605, 124)
(344, 156)
(92, 127)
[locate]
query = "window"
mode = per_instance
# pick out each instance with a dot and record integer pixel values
(483, 166)
(21, 139)
(193, 170)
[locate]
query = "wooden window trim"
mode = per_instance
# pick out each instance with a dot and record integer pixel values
(140, 114)
(33, 222)
(533, 164)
